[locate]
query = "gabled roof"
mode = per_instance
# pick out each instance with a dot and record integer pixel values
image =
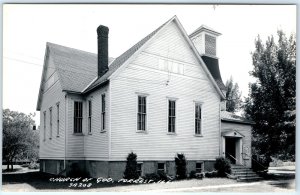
(231, 133)
(121, 59)
(78, 69)
(230, 117)
(205, 28)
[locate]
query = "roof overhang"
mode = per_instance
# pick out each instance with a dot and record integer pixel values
(236, 121)
(232, 133)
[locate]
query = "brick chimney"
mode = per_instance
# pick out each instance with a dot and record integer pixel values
(102, 32)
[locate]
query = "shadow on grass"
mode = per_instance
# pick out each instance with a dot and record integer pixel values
(40, 181)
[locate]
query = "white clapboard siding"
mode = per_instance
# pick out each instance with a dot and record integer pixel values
(96, 143)
(52, 148)
(245, 130)
(156, 144)
(75, 142)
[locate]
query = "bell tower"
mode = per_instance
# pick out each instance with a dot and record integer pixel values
(204, 39)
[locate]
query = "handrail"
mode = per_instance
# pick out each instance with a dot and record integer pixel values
(235, 159)
(255, 160)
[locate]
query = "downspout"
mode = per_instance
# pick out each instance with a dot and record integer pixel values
(66, 126)
(220, 137)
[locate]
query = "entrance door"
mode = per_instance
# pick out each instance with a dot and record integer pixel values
(230, 145)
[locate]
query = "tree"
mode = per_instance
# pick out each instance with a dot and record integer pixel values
(233, 96)
(19, 140)
(131, 167)
(272, 98)
(180, 163)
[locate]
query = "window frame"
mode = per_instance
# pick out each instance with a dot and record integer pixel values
(175, 123)
(202, 166)
(80, 118)
(90, 114)
(164, 170)
(57, 119)
(50, 122)
(140, 171)
(145, 95)
(103, 112)
(201, 118)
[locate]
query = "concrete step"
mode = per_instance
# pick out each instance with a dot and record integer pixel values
(246, 175)
(248, 179)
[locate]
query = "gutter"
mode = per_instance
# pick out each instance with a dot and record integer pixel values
(241, 122)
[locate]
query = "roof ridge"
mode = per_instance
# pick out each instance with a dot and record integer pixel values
(54, 45)
(125, 56)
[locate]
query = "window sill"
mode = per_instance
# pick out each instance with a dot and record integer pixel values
(78, 134)
(169, 133)
(103, 131)
(57, 136)
(90, 133)
(198, 135)
(142, 131)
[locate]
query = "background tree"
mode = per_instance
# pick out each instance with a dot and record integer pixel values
(180, 163)
(233, 96)
(19, 140)
(131, 167)
(272, 98)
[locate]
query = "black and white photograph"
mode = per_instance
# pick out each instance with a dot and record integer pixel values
(149, 98)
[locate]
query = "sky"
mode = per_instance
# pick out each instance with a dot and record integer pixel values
(27, 28)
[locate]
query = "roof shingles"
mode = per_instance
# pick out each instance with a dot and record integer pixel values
(230, 117)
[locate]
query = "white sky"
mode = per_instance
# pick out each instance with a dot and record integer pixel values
(27, 28)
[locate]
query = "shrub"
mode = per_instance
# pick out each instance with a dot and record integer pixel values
(180, 162)
(200, 175)
(222, 165)
(25, 165)
(131, 167)
(211, 174)
(193, 174)
(33, 165)
(152, 176)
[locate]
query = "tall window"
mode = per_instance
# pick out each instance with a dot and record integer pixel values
(90, 116)
(103, 112)
(141, 115)
(44, 125)
(172, 116)
(197, 118)
(57, 119)
(50, 112)
(77, 117)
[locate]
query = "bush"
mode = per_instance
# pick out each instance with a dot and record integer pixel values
(193, 174)
(222, 165)
(131, 167)
(25, 165)
(211, 174)
(152, 176)
(180, 162)
(33, 165)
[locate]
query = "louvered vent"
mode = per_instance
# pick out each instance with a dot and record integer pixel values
(210, 45)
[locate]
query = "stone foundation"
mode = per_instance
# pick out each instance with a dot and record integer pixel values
(111, 169)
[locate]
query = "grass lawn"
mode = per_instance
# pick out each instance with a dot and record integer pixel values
(40, 181)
